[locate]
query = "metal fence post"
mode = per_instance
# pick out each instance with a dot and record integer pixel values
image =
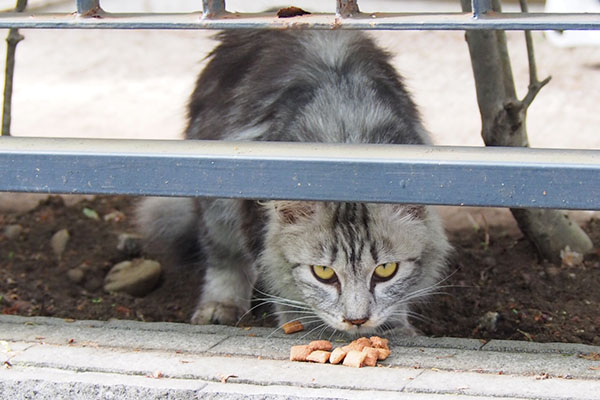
(480, 7)
(85, 7)
(212, 8)
(347, 8)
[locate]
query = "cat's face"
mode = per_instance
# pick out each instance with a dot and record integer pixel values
(357, 266)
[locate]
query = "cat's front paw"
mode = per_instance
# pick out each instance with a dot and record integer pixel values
(217, 313)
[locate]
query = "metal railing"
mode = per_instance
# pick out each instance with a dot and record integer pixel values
(90, 15)
(507, 177)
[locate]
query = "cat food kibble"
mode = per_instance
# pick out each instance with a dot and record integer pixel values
(320, 345)
(379, 343)
(361, 352)
(371, 356)
(382, 354)
(319, 356)
(337, 356)
(292, 327)
(300, 353)
(355, 359)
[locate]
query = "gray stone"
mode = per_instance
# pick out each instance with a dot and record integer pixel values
(12, 232)
(115, 216)
(137, 277)
(76, 275)
(129, 244)
(59, 242)
(489, 321)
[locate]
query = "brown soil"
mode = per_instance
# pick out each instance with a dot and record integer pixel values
(497, 287)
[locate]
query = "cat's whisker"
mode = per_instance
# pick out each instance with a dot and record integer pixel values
(272, 296)
(414, 296)
(306, 320)
(426, 291)
(386, 326)
(281, 303)
(323, 330)
(248, 312)
(334, 331)
(414, 315)
(291, 312)
(277, 313)
(314, 329)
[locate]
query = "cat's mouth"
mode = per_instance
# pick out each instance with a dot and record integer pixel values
(365, 326)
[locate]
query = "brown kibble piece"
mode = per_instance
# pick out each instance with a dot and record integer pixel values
(372, 356)
(299, 353)
(354, 359)
(337, 355)
(319, 356)
(359, 353)
(379, 343)
(382, 354)
(292, 327)
(320, 345)
(357, 345)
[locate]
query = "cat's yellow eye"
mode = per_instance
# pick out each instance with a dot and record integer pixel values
(386, 271)
(323, 272)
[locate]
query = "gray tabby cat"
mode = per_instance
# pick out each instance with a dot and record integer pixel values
(354, 267)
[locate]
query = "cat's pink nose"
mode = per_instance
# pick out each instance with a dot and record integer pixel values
(356, 321)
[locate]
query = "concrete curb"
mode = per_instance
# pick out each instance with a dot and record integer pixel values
(48, 358)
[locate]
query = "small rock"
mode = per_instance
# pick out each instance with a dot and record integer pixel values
(570, 258)
(490, 261)
(129, 244)
(115, 216)
(59, 242)
(553, 271)
(137, 277)
(489, 321)
(12, 232)
(76, 275)
(92, 284)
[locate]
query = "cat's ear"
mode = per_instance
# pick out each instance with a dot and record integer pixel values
(290, 212)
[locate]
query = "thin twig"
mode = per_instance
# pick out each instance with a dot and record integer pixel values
(14, 37)
(534, 84)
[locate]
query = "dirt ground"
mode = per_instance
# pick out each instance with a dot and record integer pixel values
(497, 287)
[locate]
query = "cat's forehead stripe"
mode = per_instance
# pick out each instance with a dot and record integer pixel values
(352, 233)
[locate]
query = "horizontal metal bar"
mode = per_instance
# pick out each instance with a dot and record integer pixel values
(375, 21)
(503, 177)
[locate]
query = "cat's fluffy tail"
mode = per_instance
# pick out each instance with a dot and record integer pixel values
(170, 227)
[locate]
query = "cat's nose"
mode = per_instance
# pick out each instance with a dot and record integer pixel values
(357, 322)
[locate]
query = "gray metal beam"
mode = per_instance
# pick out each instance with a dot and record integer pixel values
(375, 21)
(504, 177)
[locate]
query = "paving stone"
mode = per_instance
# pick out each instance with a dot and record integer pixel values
(136, 277)
(532, 347)
(57, 354)
(502, 386)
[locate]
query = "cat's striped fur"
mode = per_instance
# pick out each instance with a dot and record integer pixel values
(310, 86)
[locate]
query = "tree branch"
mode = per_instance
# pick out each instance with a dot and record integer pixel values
(503, 118)
(14, 37)
(534, 83)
